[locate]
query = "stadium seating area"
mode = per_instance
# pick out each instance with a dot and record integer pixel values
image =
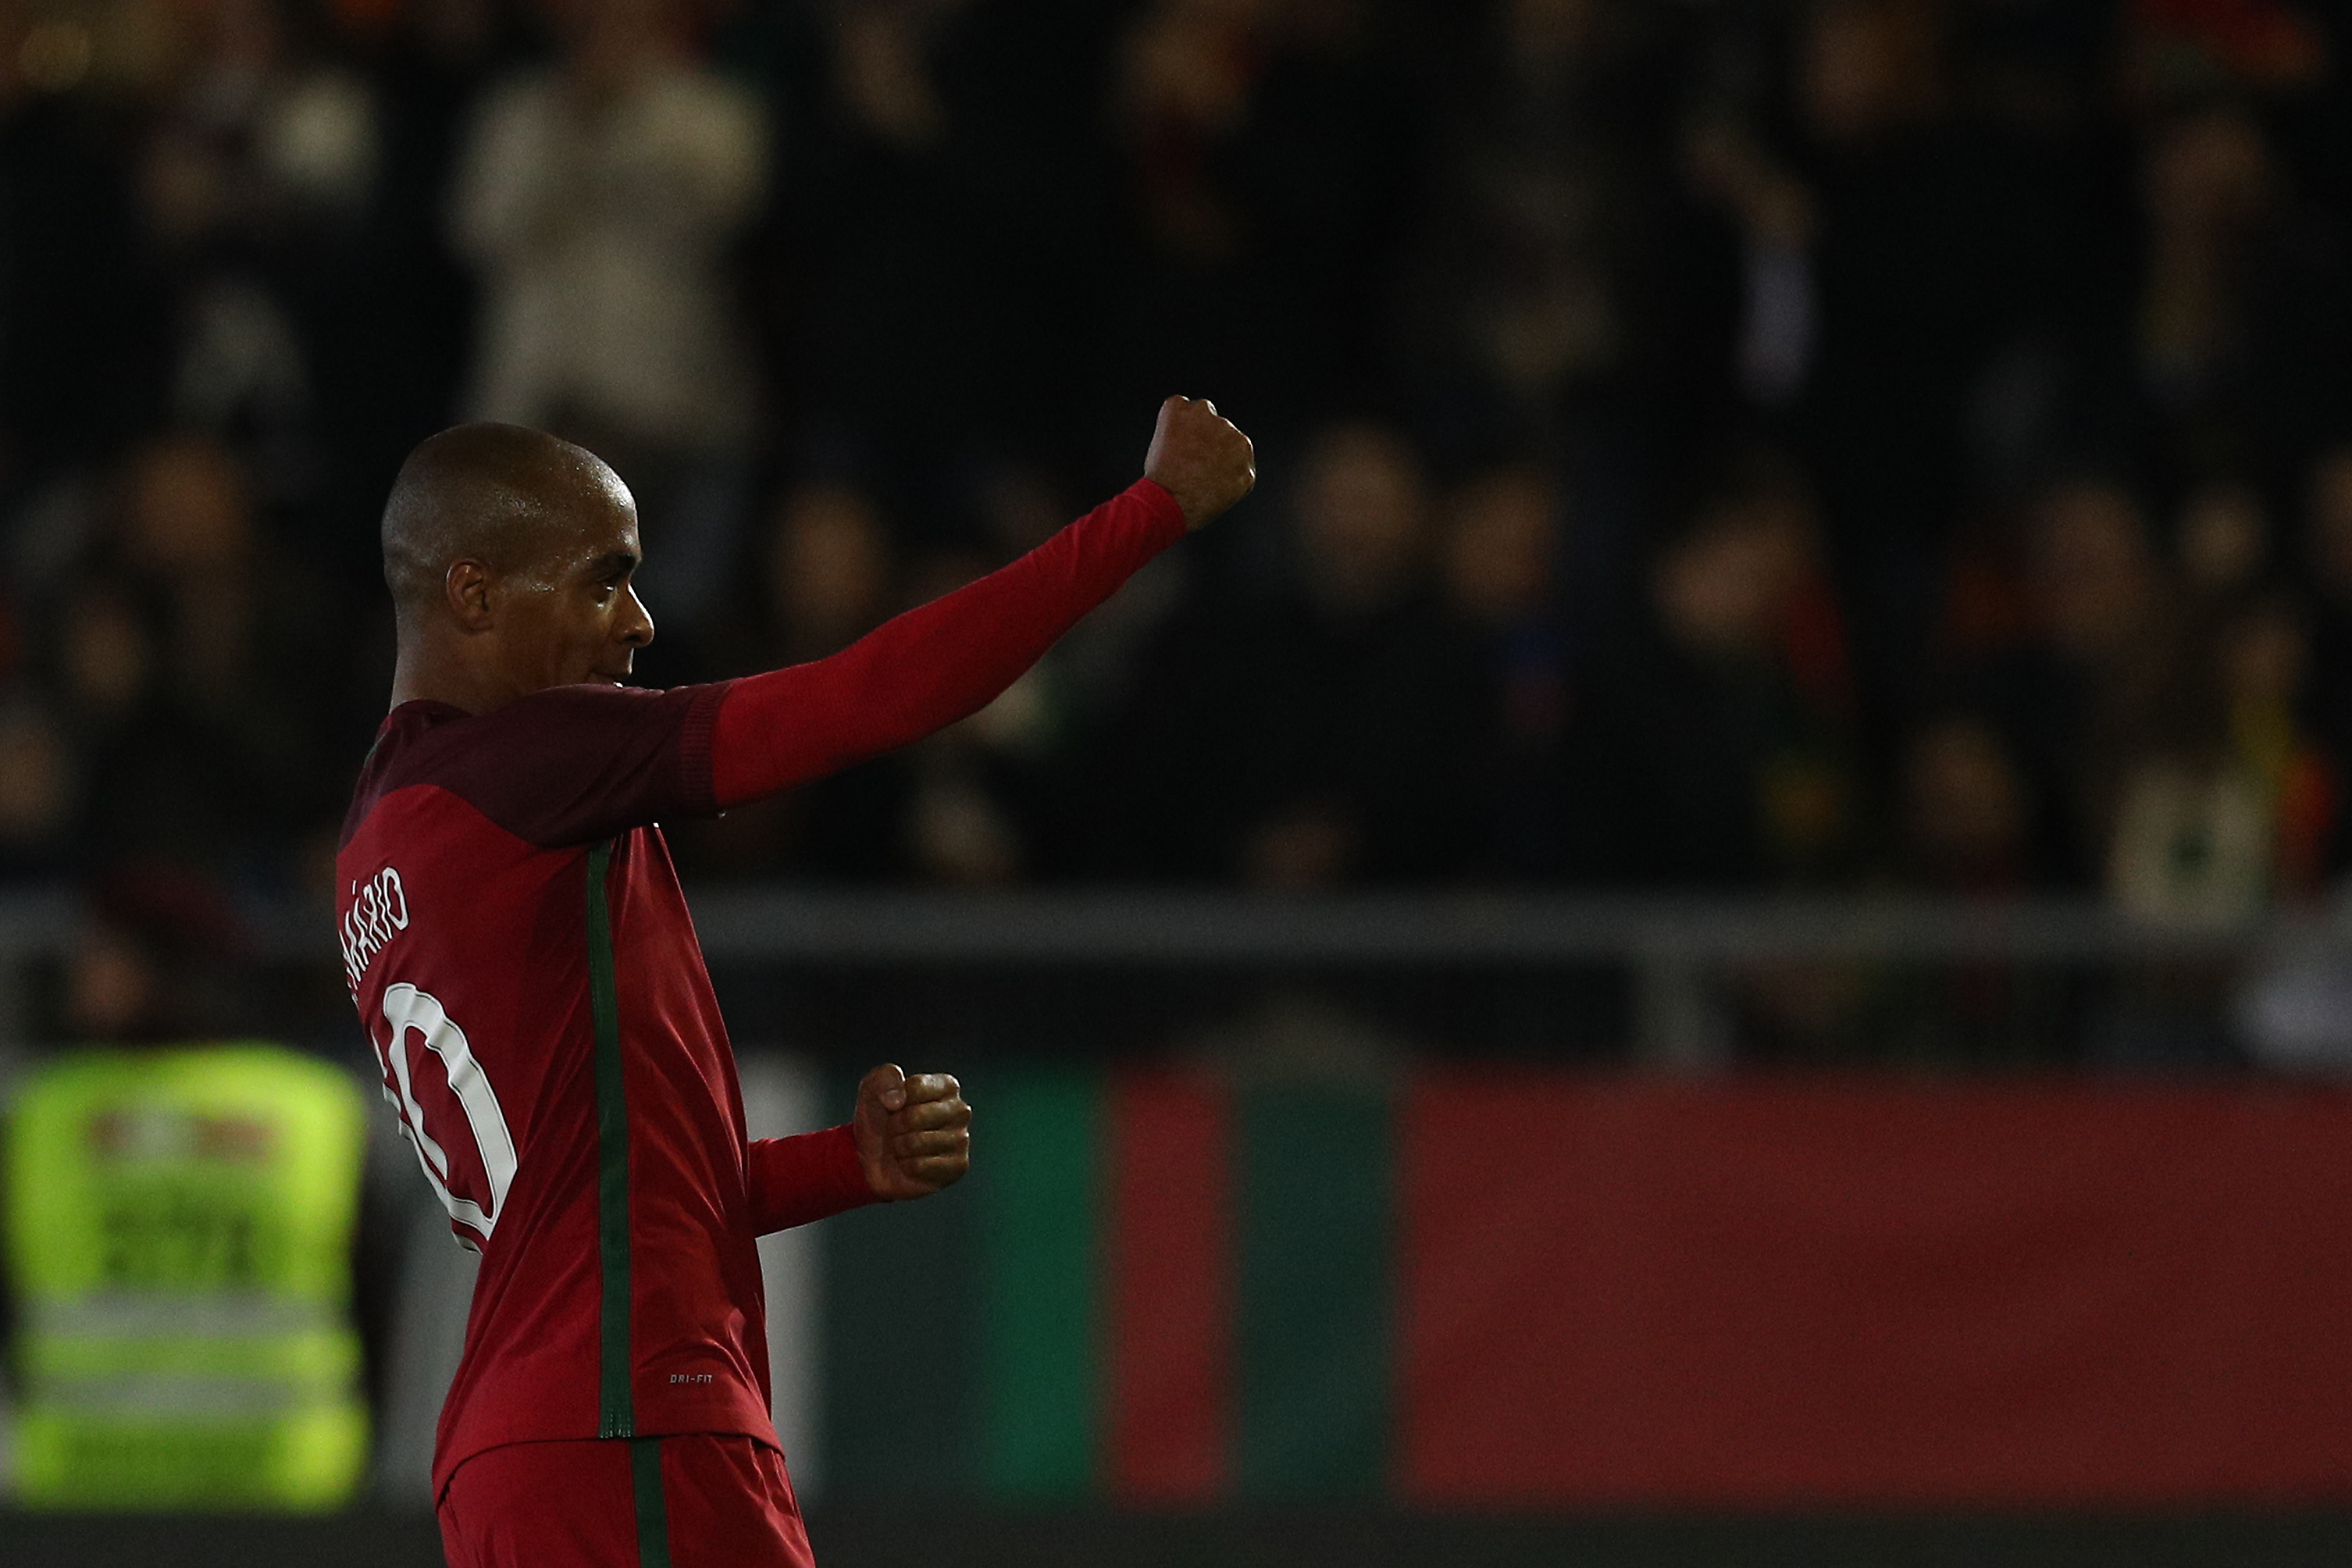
(1709, 445)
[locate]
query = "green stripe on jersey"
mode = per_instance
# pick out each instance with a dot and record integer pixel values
(1038, 1176)
(616, 1407)
(653, 1509)
(1313, 1293)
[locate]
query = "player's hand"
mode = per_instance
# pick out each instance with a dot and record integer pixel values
(914, 1134)
(1201, 459)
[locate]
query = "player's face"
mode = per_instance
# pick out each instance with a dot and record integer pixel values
(574, 619)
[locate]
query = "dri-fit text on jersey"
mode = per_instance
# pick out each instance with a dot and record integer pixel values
(379, 911)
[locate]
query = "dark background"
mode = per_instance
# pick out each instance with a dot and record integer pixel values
(1706, 445)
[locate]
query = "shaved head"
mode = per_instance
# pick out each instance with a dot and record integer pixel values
(510, 555)
(500, 494)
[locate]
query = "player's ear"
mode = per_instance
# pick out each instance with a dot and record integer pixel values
(466, 585)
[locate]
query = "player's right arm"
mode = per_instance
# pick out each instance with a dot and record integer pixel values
(945, 661)
(908, 1138)
(913, 1134)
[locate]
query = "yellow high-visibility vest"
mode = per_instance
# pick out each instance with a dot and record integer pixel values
(179, 1234)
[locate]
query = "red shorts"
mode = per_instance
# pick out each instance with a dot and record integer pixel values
(701, 1500)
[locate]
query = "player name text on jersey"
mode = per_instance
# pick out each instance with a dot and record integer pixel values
(378, 912)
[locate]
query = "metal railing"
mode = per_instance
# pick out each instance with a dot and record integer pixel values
(1672, 948)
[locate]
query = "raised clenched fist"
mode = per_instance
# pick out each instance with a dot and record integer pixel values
(1202, 459)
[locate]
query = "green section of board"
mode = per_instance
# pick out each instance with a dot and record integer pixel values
(1314, 1314)
(1037, 1171)
(901, 1345)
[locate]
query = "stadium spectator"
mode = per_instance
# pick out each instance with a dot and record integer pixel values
(2222, 541)
(1912, 268)
(2210, 186)
(943, 211)
(252, 183)
(180, 654)
(599, 201)
(2265, 665)
(1717, 749)
(868, 212)
(2242, 334)
(1267, 143)
(1500, 561)
(2329, 554)
(1518, 301)
(38, 792)
(1361, 735)
(1772, 213)
(830, 572)
(826, 574)
(1968, 824)
(2223, 802)
(1968, 830)
(952, 809)
(1327, 727)
(159, 957)
(2083, 689)
(394, 346)
(963, 823)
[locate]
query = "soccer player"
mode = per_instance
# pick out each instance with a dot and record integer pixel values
(516, 941)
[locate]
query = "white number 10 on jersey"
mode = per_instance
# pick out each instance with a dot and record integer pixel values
(411, 1011)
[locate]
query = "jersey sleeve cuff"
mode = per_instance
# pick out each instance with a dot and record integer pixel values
(796, 1180)
(1166, 516)
(846, 1186)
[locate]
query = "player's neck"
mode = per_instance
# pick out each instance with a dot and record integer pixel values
(424, 672)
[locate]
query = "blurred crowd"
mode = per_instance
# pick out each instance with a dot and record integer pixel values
(1706, 444)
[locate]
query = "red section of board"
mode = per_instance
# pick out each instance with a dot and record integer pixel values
(1805, 1294)
(1171, 1256)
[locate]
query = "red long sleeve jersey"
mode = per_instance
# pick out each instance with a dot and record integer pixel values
(520, 953)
